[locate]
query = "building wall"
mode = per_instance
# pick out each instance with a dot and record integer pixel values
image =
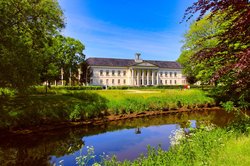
(120, 76)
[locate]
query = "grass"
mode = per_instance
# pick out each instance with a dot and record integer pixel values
(128, 101)
(235, 152)
(63, 105)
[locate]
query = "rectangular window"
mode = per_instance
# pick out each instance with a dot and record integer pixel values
(101, 81)
(119, 72)
(113, 81)
(107, 73)
(166, 82)
(170, 82)
(124, 81)
(170, 74)
(166, 74)
(107, 81)
(124, 73)
(161, 73)
(113, 72)
(175, 74)
(118, 81)
(161, 82)
(175, 82)
(101, 72)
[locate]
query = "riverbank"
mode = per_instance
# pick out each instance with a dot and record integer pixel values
(84, 106)
(101, 121)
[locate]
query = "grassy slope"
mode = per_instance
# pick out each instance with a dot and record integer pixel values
(65, 105)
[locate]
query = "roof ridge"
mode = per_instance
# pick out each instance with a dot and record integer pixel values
(128, 59)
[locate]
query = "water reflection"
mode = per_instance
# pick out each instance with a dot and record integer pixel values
(126, 139)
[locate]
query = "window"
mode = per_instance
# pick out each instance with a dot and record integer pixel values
(170, 74)
(161, 82)
(107, 73)
(118, 81)
(101, 81)
(170, 82)
(166, 82)
(175, 82)
(101, 72)
(175, 74)
(113, 81)
(124, 73)
(124, 81)
(161, 74)
(107, 81)
(113, 72)
(166, 74)
(91, 73)
(119, 72)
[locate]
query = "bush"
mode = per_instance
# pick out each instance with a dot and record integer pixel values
(6, 92)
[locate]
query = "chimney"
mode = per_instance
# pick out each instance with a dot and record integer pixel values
(137, 57)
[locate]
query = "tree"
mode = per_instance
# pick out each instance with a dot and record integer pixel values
(232, 51)
(201, 35)
(65, 53)
(27, 26)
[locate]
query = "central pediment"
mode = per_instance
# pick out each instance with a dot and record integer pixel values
(144, 64)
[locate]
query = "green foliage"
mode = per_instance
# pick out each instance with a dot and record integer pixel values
(201, 35)
(64, 54)
(219, 54)
(6, 92)
(228, 106)
(27, 26)
(18, 112)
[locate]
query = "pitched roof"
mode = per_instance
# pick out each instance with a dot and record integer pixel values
(130, 62)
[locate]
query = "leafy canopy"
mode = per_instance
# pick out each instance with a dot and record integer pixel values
(232, 51)
(27, 26)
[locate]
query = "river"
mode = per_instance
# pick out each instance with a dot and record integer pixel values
(126, 139)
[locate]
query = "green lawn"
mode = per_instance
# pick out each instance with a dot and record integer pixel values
(127, 101)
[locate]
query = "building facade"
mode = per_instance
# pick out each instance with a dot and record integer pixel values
(134, 72)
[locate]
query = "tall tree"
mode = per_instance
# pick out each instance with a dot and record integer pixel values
(27, 26)
(65, 53)
(233, 49)
(70, 56)
(199, 36)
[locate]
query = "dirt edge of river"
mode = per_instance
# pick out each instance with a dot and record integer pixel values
(100, 121)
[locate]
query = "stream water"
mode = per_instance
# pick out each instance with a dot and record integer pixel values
(126, 139)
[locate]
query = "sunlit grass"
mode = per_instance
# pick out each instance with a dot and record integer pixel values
(235, 152)
(127, 101)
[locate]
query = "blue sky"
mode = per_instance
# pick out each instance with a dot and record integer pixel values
(120, 28)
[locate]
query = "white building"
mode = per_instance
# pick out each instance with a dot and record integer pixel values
(137, 72)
